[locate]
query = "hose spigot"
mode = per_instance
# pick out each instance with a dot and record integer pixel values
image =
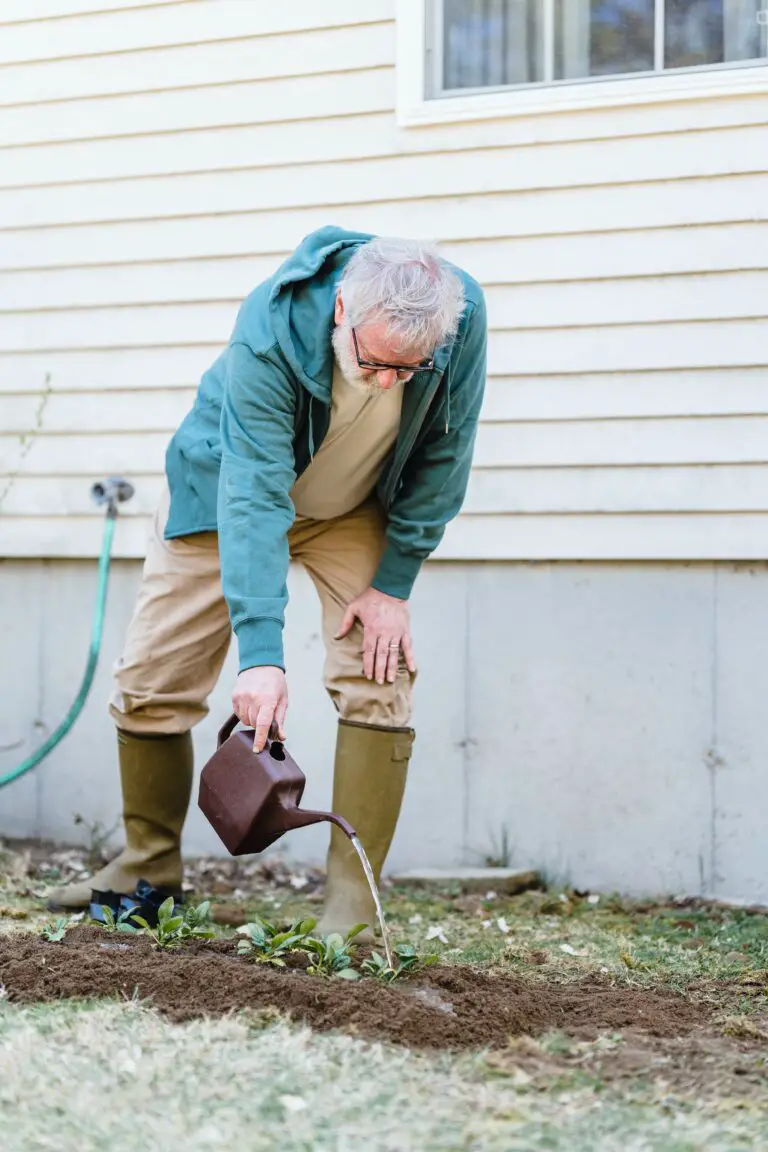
(112, 491)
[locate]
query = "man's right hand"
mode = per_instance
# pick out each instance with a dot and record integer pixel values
(260, 700)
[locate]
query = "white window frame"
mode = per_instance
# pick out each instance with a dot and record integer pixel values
(413, 107)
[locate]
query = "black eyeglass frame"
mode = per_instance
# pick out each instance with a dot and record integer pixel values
(405, 369)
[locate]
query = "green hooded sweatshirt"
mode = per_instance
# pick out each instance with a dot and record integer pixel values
(261, 413)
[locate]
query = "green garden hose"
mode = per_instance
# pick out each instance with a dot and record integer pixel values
(111, 492)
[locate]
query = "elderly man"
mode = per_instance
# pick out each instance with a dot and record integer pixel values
(336, 429)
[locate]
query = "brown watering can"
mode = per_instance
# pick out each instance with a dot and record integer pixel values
(252, 798)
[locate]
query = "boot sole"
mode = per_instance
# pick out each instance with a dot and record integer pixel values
(53, 907)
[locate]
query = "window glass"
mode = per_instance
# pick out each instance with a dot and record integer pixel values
(504, 43)
(491, 43)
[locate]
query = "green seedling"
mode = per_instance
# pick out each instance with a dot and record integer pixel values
(120, 923)
(264, 944)
(172, 930)
(197, 921)
(55, 932)
(409, 962)
(332, 956)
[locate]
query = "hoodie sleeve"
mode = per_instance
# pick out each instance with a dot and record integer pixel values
(255, 510)
(435, 479)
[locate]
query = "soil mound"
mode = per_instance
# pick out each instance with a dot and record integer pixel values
(449, 1008)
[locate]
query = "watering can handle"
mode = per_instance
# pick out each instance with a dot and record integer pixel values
(226, 731)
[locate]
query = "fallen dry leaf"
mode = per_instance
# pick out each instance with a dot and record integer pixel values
(437, 932)
(538, 956)
(13, 913)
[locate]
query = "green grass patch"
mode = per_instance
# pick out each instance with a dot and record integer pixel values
(97, 1076)
(91, 1076)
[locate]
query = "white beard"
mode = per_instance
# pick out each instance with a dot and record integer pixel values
(347, 363)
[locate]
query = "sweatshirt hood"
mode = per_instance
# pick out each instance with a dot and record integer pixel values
(302, 300)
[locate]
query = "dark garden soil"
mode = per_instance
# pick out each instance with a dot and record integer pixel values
(443, 1007)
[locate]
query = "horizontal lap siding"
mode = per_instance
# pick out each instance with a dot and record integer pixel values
(550, 214)
(151, 27)
(158, 160)
(28, 11)
(519, 308)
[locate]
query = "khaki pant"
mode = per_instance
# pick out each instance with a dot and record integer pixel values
(180, 632)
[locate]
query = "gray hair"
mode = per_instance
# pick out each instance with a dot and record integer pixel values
(408, 285)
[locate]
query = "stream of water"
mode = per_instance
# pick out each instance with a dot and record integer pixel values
(376, 899)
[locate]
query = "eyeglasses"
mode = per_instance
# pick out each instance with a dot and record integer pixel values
(403, 370)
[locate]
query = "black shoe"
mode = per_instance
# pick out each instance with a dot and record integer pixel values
(145, 901)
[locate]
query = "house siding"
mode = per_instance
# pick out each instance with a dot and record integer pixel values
(158, 159)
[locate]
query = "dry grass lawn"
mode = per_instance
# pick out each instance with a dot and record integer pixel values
(116, 1075)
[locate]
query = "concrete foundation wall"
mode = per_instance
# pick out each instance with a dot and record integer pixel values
(606, 718)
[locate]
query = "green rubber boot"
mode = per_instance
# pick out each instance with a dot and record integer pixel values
(368, 786)
(156, 780)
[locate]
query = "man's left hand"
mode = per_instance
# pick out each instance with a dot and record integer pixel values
(386, 633)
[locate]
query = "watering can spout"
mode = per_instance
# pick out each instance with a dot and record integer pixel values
(301, 818)
(252, 798)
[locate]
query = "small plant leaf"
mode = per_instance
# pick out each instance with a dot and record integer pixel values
(347, 974)
(54, 933)
(290, 944)
(406, 951)
(165, 911)
(280, 939)
(110, 924)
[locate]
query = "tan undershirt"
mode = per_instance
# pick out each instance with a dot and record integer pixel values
(347, 465)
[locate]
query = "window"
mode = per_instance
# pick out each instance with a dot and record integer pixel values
(477, 46)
